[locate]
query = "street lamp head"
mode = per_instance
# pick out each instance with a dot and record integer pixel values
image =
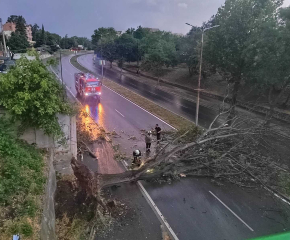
(215, 26)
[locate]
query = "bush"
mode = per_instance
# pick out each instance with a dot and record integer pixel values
(34, 96)
(21, 182)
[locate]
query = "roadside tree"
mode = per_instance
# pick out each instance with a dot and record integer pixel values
(226, 45)
(33, 96)
(188, 51)
(18, 43)
(104, 34)
(268, 58)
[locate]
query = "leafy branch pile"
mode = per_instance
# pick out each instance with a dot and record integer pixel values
(21, 185)
(88, 131)
(238, 153)
(33, 96)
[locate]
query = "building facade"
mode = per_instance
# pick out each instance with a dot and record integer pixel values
(10, 27)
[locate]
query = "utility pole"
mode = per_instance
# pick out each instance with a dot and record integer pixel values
(60, 49)
(102, 58)
(200, 68)
(3, 35)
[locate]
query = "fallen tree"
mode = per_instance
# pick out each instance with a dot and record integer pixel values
(238, 152)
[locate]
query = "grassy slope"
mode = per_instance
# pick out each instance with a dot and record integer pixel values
(22, 181)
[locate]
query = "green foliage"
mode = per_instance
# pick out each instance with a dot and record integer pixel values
(67, 43)
(21, 26)
(106, 34)
(268, 54)
(160, 50)
(126, 47)
(226, 45)
(34, 30)
(189, 49)
(18, 43)
(140, 33)
(34, 96)
(21, 179)
(108, 50)
(12, 19)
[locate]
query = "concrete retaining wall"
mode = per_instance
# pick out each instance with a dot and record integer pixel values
(60, 154)
(47, 231)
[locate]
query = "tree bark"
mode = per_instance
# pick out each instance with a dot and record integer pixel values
(232, 114)
(273, 103)
(121, 73)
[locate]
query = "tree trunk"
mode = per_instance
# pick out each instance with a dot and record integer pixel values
(272, 106)
(284, 104)
(121, 73)
(111, 66)
(234, 99)
(273, 103)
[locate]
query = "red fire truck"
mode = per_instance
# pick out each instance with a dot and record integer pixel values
(88, 86)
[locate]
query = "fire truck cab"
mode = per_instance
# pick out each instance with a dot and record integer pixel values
(87, 86)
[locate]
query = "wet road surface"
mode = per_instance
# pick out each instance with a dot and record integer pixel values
(227, 212)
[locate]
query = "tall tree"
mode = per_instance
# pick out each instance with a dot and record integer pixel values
(189, 47)
(18, 43)
(140, 33)
(43, 35)
(21, 26)
(127, 47)
(12, 19)
(268, 57)
(226, 45)
(34, 29)
(106, 34)
(33, 95)
(130, 31)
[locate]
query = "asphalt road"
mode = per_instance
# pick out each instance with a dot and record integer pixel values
(193, 212)
(181, 106)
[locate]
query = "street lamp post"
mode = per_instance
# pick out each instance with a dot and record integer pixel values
(200, 68)
(102, 57)
(102, 54)
(60, 49)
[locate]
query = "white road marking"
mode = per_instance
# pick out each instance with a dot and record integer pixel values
(138, 105)
(142, 108)
(154, 207)
(281, 198)
(157, 211)
(232, 212)
(126, 164)
(119, 113)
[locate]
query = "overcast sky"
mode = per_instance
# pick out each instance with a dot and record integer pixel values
(80, 18)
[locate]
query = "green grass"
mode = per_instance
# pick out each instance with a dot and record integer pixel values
(22, 181)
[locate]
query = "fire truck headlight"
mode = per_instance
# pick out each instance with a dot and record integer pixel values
(86, 94)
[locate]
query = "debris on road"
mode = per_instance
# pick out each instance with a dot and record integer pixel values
(132, 138)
